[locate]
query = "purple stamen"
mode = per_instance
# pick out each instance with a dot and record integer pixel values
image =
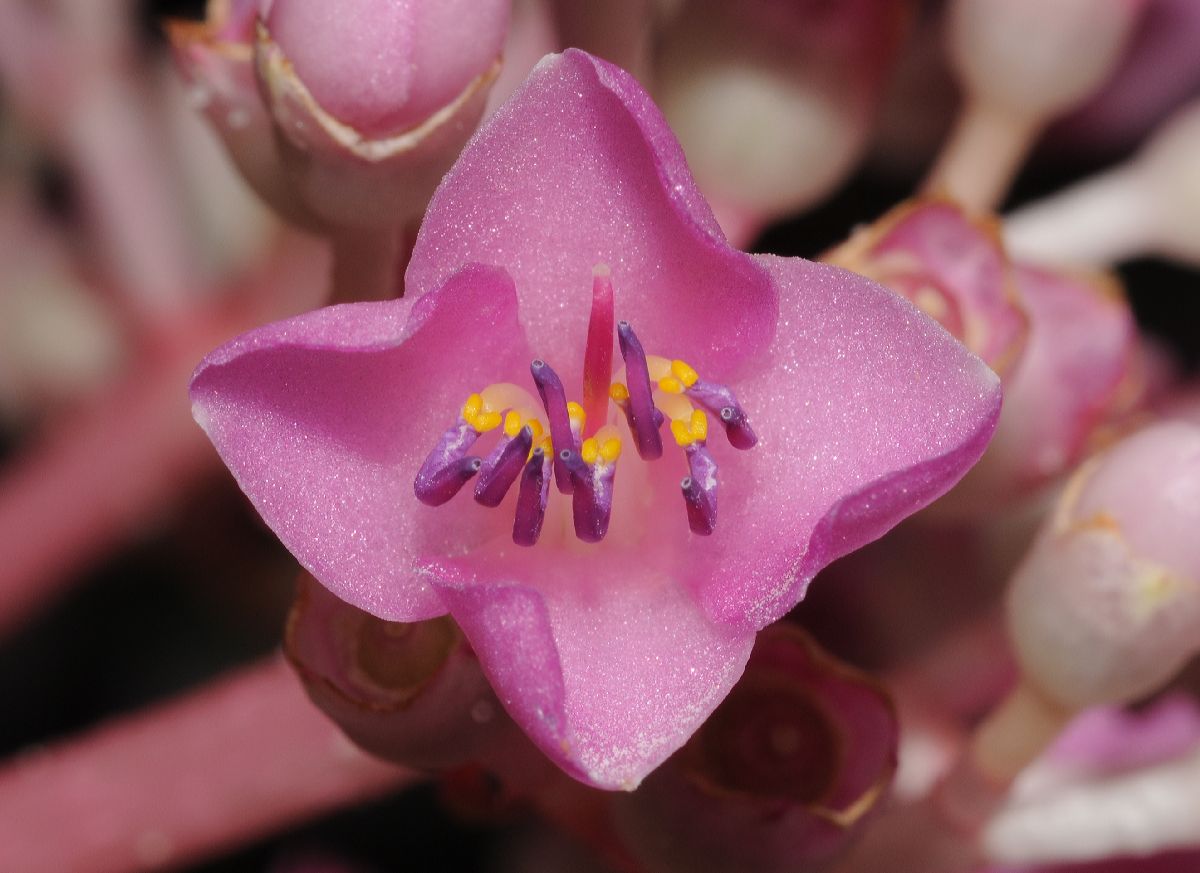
(722, 403)
(502, 467)
(591, 499)
(447, 469)
(643, 423)
(554, 399)
(531, 499)
(700, 489)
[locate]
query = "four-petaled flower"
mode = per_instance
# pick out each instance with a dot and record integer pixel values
(608, 654)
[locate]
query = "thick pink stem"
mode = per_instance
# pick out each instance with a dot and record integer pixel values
(232, 762)
(108, 472)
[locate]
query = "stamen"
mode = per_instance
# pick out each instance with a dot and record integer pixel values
(642, 421)
(447, 468)
(554, 399)
(503, 466)
(597, 356)
(438, 486)
(619, 395)
(591, 499)
(721, 402)
(531, 499)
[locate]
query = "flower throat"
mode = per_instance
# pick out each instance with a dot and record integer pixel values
(552, 439)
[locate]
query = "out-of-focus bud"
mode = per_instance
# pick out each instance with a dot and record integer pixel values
(1114, 783)
(373, 99)
(1038, 58)
(1076, 375)
(773, 101)
(951, 266)
(1150, 205)
(216, 57)
(1021, 62)
(1106, 606)
(409, 693)
(780, 777)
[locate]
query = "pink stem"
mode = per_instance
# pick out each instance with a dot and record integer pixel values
(238, 759)
(100, 477)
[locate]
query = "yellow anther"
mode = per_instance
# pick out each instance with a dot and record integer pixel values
(486, 421)
(699, 425)
(681, 432)
(618, 392)
(512, 424)
(576, 413)
(536, 427)
(590, 450)
(472, 407)
(671, 385)
(610, 450)
(684, 373)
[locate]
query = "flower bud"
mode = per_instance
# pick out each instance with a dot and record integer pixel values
(374, 99)
(780, 777)
(950, 265)
(216, 58)
(1077, 373)
(773, 101)
(1037, 58)
(409, 693)
(1106, 606)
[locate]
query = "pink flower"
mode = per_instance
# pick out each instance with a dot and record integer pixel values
(609, 655)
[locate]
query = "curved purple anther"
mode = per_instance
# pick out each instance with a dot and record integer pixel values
(702, 515)
(591, 499)
(439, 487)
(554, 399)
(643, 423)
(737, 428)
(444, 471)
(721, 402)
(531, 499)
(502, 467)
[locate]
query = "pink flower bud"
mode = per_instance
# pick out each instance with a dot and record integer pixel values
(383, 67)
(412, 693)
(780, 777)
(374, 99)
(1077, 373)
(1106, 605)
(950, 265)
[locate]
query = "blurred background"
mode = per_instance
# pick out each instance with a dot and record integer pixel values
(131, 567)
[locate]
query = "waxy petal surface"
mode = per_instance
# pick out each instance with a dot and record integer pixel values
(866, 411)
(580, 169)
(608, 671)
(324, 419)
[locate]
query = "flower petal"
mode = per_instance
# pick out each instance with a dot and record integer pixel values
(578, 169)
(866, 411)
(325, 418)
(607, 669)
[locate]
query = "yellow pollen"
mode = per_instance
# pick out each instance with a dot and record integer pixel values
(512, 424)
(671, 385)
(694, 429)
(611, 450)
(684, 373)
(618, 392)
(590, 450)
(536, 427)
(472, 407)
(577, 415)
(486, 421)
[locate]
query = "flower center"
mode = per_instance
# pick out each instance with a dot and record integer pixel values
(578, 445)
